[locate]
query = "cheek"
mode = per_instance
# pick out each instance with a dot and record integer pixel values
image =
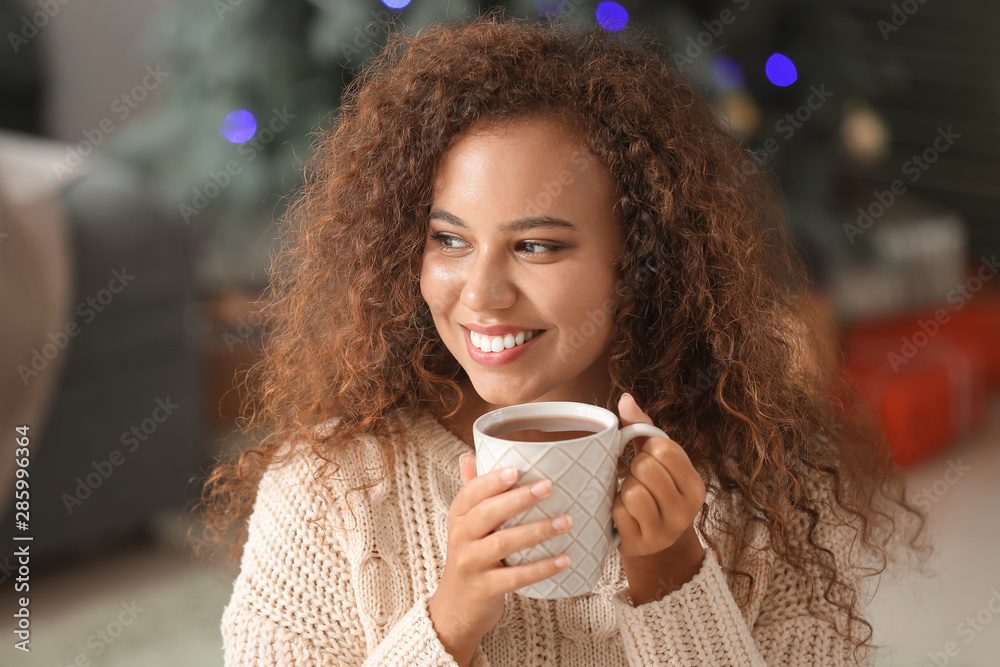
(438, 284)
(428, 283)
(588, 313)
(587, 296)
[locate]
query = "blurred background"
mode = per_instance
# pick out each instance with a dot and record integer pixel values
(147, 146)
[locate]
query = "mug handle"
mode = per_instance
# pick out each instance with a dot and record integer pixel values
(625, 436)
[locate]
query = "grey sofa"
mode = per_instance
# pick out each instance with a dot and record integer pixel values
(116, 432)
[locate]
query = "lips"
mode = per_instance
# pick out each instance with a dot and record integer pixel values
(499, 343)
(498, 330)
(507, 355)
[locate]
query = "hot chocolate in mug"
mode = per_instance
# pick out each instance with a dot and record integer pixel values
(577, 447)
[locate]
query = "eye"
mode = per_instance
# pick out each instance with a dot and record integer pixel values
(442, 239)
(549, 248)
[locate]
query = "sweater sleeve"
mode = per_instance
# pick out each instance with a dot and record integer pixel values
(251, 638)
(698, 624)
(294, 602)
(413, 641)
(702, 624)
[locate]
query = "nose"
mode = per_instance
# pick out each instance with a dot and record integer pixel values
(488, 285)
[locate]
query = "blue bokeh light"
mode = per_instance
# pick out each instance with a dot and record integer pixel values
(395, 4)
(611, 16)
(727, 73)
(781, 70)
(550, 7)
(239, 126)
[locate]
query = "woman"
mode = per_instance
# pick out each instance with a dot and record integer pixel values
(568, 192)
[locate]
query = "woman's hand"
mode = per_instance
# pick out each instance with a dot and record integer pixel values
(655, 512)
(469, 599)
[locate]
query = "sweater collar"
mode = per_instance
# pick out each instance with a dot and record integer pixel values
(434, 426)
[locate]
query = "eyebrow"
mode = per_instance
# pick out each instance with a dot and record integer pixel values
(507, 227)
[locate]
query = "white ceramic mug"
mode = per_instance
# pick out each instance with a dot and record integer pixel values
(584, 483)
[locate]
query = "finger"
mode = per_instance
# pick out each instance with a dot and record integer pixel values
(502, 543)
(630, 405)
(480, 487)
(678, 465)
(509, 579)
(626, 524)
(641, 504)
(655, 477)
(632, 414)
(467, 467)
(491, 512)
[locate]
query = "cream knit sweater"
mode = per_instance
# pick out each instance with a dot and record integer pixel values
(310, 594)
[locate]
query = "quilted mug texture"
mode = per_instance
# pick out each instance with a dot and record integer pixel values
(584, 485)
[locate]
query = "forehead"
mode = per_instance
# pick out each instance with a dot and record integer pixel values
(543, 139)
(529, 166)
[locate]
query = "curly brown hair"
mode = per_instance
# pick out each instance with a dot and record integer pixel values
(715, 335)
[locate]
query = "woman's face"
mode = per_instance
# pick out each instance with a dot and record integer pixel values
(522, 238)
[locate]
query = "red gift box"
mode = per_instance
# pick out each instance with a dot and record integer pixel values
(927, 386)
(973, 325)
(978, 323)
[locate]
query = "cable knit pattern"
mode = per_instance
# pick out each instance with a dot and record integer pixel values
(316, 589)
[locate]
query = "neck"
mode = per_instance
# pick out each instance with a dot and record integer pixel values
(473, 406)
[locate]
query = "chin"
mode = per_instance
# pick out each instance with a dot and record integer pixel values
(502, 395)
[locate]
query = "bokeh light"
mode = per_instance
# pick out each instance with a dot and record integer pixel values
(611, 15)
(727, 73)
(395, 4)
(781, 70)
(239, 126)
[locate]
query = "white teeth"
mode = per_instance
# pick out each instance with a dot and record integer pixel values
(500, 343)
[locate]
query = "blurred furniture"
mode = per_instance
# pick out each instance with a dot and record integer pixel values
(36, 287)
(929, 375)
(230, 345)
(101, 348)
(910, 257)
(921, 322)
(21, 71)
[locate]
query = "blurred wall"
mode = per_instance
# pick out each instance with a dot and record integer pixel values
(95, 52)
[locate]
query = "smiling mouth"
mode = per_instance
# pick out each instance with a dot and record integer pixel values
(493, 344)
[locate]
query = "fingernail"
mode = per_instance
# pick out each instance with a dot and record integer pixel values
(508, 474)
(562, 522)
(540, 488)
(562, 561)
